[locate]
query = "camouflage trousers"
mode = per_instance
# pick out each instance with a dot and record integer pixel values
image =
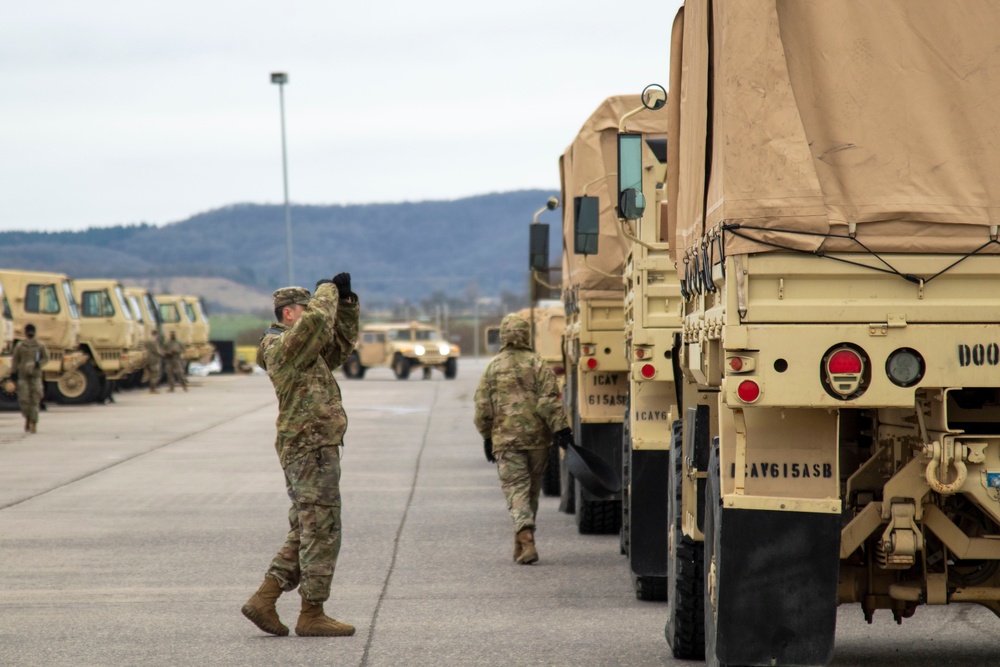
(29, 396)
(154, 371)
(309, 555)
(520, 472)
(175, 372)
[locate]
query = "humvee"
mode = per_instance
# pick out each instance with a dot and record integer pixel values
(402, 346)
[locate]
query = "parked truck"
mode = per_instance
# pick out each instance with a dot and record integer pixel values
(8, 390)
(832, 198)
(185, 317)
(594, 251)
(46, 300)
(109, 334)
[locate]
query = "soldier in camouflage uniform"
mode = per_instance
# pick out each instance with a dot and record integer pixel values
(173, 353)
(29, 357)
(519, 414)
(299, 353)
(154, 357)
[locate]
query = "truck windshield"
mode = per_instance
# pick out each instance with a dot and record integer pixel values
(97, 303)
(169, 313)
(41, 299)
(74, 312)
(126, 311)
(189, 311)
(136, 310)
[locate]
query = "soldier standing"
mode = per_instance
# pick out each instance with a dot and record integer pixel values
(29, 357)
(173, 352)
(154, 359)
(519, 414)
(299, 352)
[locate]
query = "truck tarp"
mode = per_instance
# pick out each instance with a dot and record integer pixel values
(829, 119)
(590, 167)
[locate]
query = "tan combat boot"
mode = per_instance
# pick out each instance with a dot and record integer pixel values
(314, 623)
(529, 554)
(260, 608)
(517, 548)
(34, 427)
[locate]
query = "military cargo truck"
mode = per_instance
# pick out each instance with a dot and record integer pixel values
(109, 333)
(831, 213)
(8, 391)
(201, 330)
(46, 300)
(146, 314)
(592, 284)
(177, 316)
(402, 347)
(652, 309)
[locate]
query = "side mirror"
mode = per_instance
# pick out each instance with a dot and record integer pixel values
(631, 202)
(538, 247)
(586, 225)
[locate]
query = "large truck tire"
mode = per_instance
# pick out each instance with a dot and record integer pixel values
(353, 368)
(451, 369)
(401, 366)
(685, 628)
(78, 386)
(770, 583)
(596, 517)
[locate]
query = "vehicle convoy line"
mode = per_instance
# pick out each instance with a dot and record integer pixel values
(91, 473)
(402, 525)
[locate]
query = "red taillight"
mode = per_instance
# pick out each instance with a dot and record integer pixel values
(748, 391)
(640, 353)
(844, 361)
(648, 371)
(591, 363)
(586, 350)
(558, 370)
(735, 363)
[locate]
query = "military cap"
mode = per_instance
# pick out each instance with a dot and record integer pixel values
(286, 296)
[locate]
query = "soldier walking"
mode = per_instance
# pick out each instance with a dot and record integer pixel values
(519, 415)
(154, 359)
(173, 352)
(29, 357)
(299, 352)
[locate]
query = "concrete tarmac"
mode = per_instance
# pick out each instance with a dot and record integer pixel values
(132, 533)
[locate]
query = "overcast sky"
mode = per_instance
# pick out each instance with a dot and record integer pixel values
(117, 112)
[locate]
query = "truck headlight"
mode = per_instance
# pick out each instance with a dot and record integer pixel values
(444, 349)
(418, 350)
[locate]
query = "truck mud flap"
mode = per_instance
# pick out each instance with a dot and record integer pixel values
(648, 499)
(777, 583)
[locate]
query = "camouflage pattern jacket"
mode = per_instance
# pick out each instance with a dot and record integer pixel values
(517, 401)
(173, 350)
(29, 357)
(153, 350)
(300, 360)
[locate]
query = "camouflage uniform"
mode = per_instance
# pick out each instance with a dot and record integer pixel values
(29, 357)
(173, 352)
(311, 424)
(518, 407)
(154, 359)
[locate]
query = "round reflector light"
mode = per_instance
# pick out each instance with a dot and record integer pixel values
(648, 371)
(591, 363)
(845, 361)
(748, 391)
(640, 353)
(558, 370)
(736, 363)
(905, 367)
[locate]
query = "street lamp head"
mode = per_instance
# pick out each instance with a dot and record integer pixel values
(279, 77)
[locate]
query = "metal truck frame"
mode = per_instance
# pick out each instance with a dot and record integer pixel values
(839, 440)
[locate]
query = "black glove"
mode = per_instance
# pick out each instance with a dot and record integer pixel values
(343, 283)
(488, 448)
(563, 438)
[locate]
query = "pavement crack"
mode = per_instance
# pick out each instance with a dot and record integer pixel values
(399, 530)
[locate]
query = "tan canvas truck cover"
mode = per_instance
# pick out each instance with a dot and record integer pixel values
(590, 167)
(837, 118)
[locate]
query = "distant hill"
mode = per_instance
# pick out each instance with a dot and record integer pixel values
(395, 252)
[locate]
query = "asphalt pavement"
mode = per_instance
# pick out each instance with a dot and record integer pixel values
(132, 533)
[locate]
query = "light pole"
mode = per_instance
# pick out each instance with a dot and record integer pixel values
(281, 78)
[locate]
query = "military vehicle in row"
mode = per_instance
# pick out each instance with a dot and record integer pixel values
(8, 396)
(185, 316)
(46, 300)
(835, 430)
(594, 253)
(109, 335)
(147, 317)
(402, 347)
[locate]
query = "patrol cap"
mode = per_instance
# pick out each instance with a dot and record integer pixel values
(286, 296)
